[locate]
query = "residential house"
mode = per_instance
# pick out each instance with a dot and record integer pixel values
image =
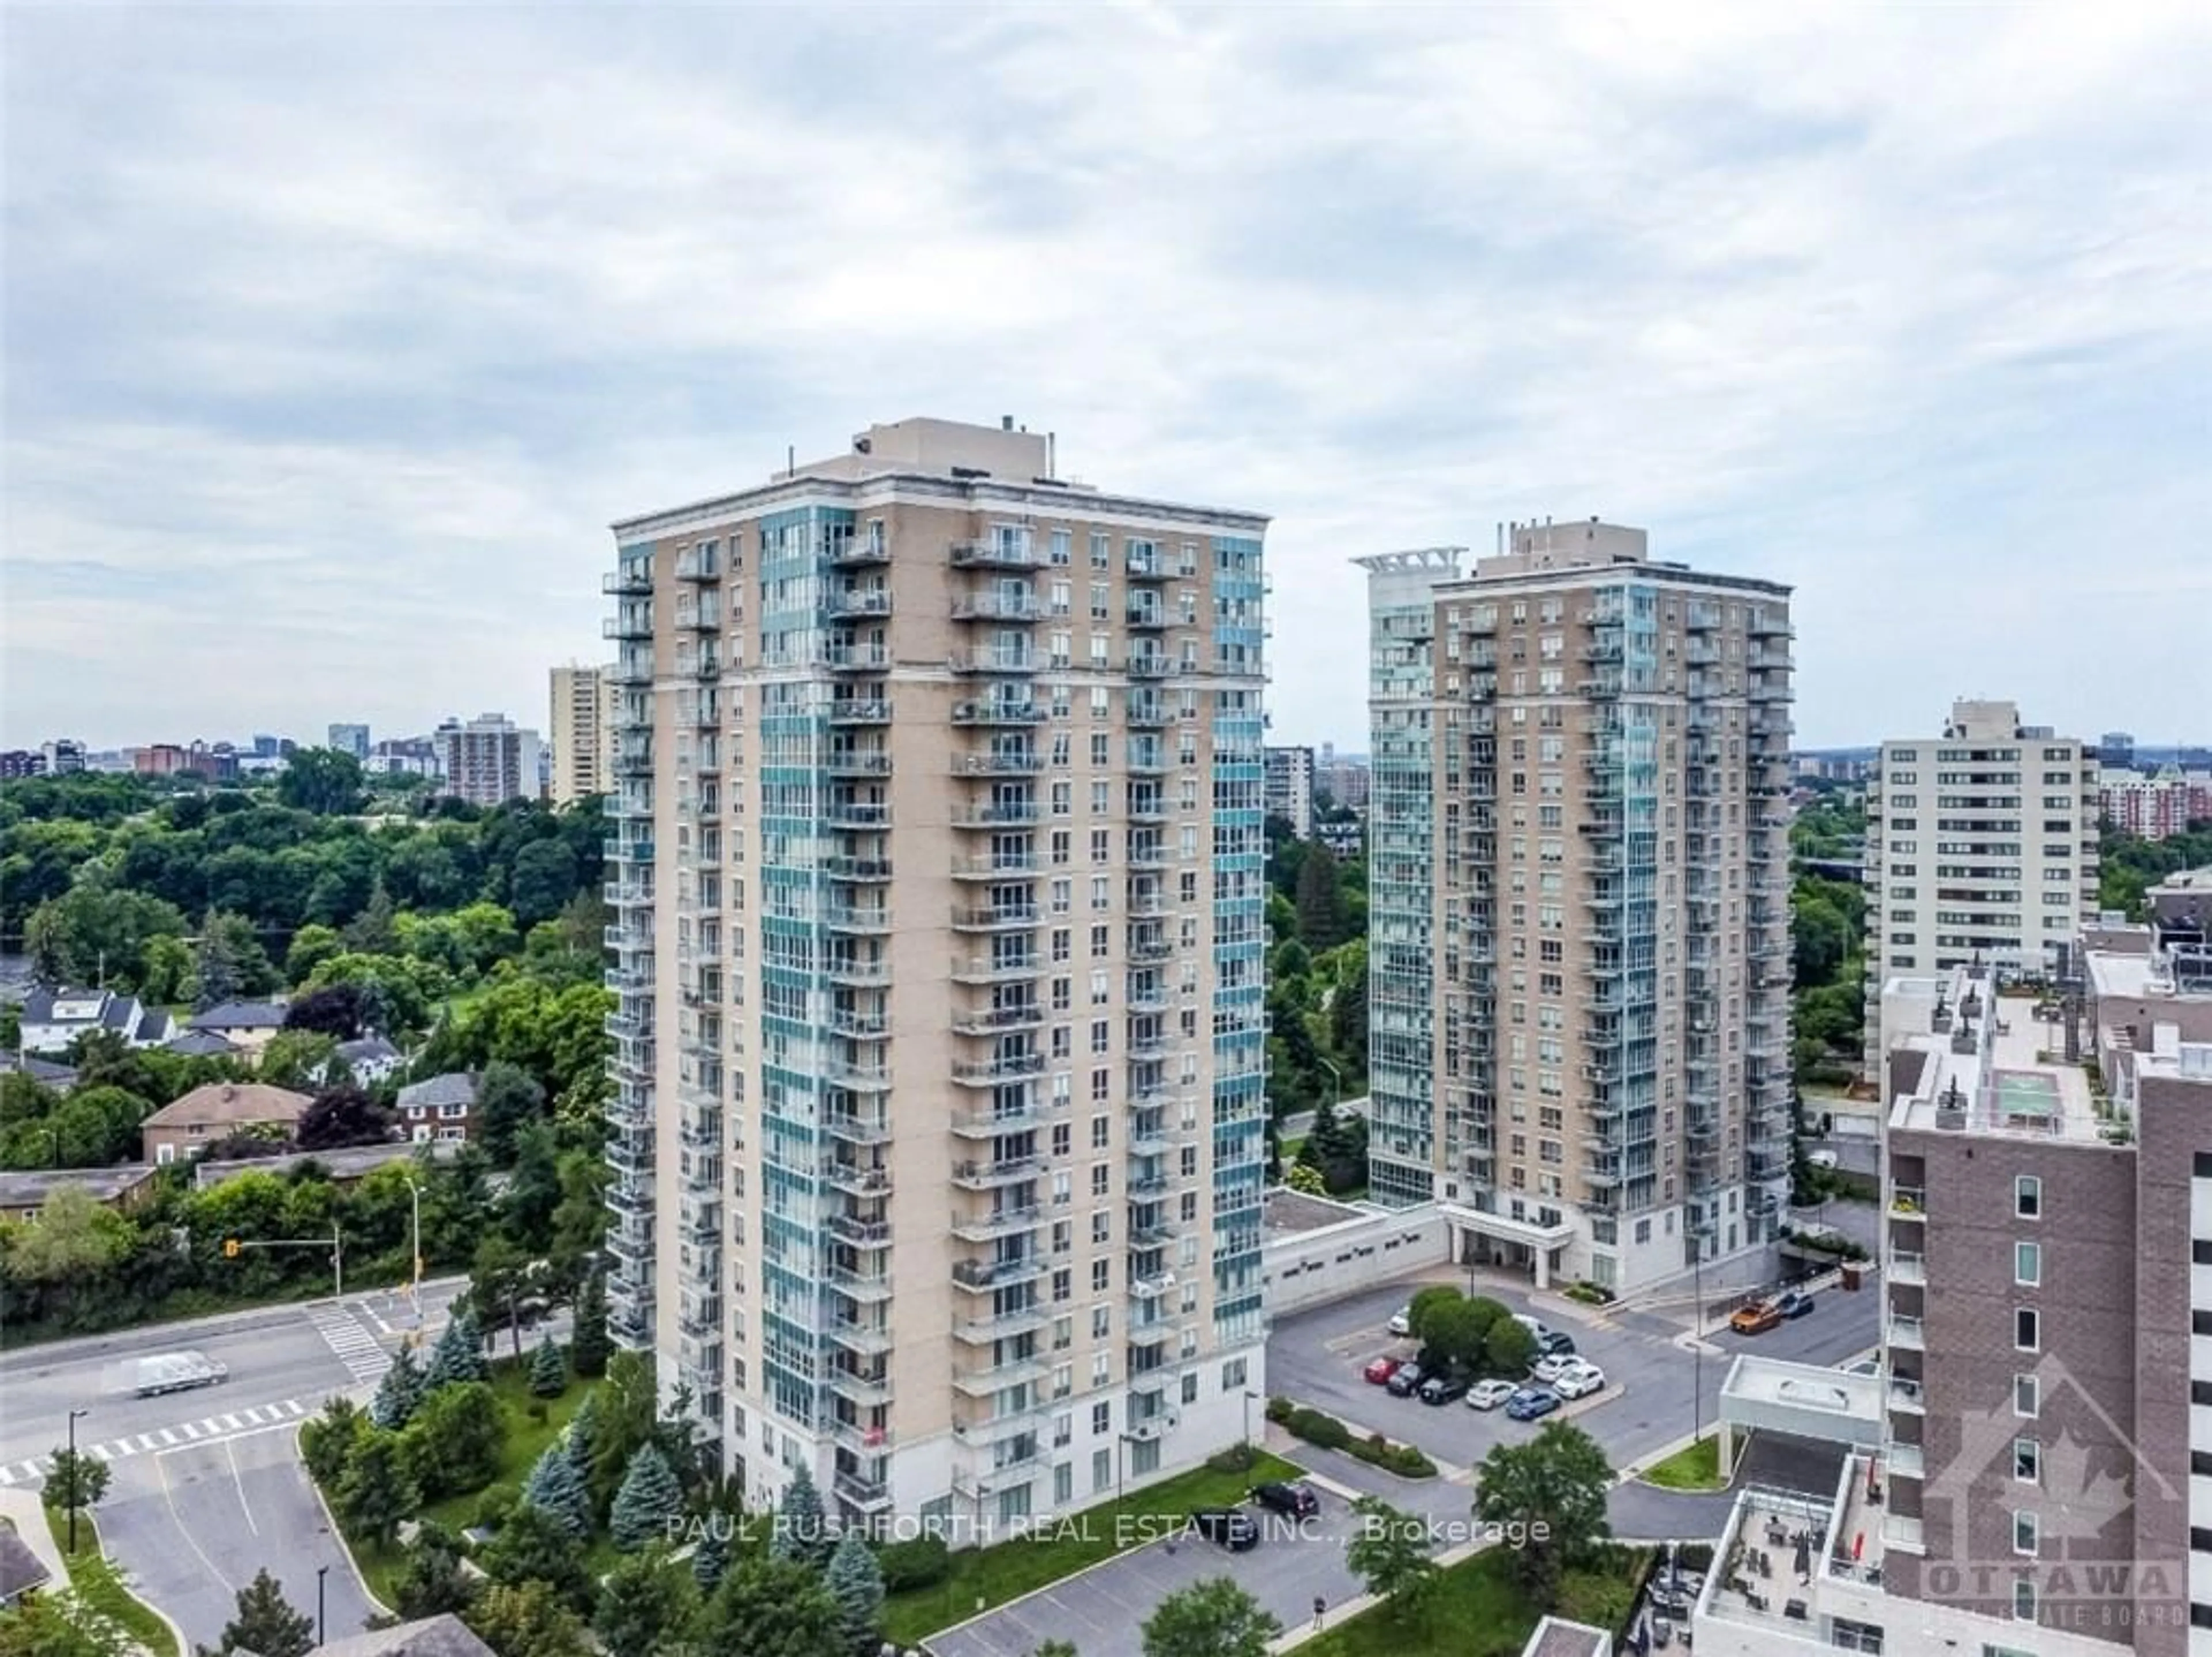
(443, 1108)
(56, 1015)
(47, 1074)
(371, 1059)
(23, 1193)
(21, 1571)
(202, 1044)
(444, 1636)
(250, 1024)
(183, 1128)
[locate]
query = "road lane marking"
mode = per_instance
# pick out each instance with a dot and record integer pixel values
(238, 1481)
(295, 1406)
(167, 1437)
(190, 1429)
(231, 1423)
(100, 1450)
(191, 1541)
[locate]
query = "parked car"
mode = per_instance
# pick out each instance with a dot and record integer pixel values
(1548, 1370)
(1795, 1303)
(1378, 1372)
(1232, 1527)
(1756, 1319)
(1531, 1404)
(1580, 1381)
(1555, 1343)
(1405, 1381)
(1536, 1327)
(1446, 1388)
(1297, 1500)
(1402, 1321)
(1489, 1394)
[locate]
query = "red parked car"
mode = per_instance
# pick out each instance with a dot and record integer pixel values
(1379, 1372)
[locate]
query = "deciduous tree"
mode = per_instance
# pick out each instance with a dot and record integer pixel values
(375, 1493)
(1389, 1551)
(773, 1608)
(1211, 1618)
(531, 1547)
(1554, 1488)
(644, 1604)
(529, 1617)
(433, 1582)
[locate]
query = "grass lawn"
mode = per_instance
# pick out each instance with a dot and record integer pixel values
(1478, 1610)
(526, 1442)
(99, 1585)
(1696, 1468)
(1062, 1547)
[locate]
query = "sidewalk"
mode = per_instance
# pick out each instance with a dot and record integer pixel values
(22, 1509)
(273, 1314)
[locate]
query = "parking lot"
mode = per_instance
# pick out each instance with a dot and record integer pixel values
(1101, 1610)
(1651, 1384)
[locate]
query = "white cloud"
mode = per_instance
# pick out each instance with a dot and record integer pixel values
(335, 337)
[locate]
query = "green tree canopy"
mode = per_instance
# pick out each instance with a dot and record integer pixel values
(1553, 1487)
(1211, 1618)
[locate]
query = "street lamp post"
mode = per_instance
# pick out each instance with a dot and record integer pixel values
(414, 1282)
(1697, 1337)
(1336, 1079)
(321, 1571)
(76, 1481)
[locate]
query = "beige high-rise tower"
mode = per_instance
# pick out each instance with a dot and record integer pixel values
(1579, 954)
(583, 733)
(937, 863)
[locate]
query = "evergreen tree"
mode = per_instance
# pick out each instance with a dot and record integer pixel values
(770, 1608)
(214, 969)
(372, 932)
(548, 1371)
(1320, 908)
(399, 1394)
(531, 1548)
(649, 1500)
(802, 1531)
(266, 1624)
(588, 1346)
(583, 1434)
(554, 1490)
(375, 1494)
(710, 1560)
(433, 1582)
(644, 1604)
(459, 1355)
(857, 1584)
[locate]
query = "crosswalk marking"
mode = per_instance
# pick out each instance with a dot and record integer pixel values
(359, 1351)
(209, 1430)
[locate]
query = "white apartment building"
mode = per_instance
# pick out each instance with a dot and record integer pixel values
(583, 733)
(489, 760)
(939, 1072)
(1291, 789)
(1981, 846)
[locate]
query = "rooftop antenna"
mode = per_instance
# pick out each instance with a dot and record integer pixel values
(791, 460)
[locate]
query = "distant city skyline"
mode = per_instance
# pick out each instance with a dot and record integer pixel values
(1894, 309)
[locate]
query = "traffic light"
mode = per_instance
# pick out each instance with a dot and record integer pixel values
(230, 1249)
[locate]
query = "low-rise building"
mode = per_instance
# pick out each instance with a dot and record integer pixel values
(371, 1059)
(441, 1107)
(181, 1130)
(56, 1015)
(248, 1025)
(445, 1635)
(201, 1043)
(47, 1074)
(24, 1192)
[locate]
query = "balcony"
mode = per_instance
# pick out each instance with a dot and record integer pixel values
(1149, 759)
(1149, 664)
(988, 1276)
(869, 1288)
(997, 552)
(988, 1176)
(859, 1075)
(1904, 1460)
(1147, 715)
(857, 868)
(1147, 854)
(998, 917)
(698, 619)
(1012, 606)
(860, 1233)
(983, 1331)
(856, 814)
(867, 919)
(994, 1123)
(633, 581)
(982, 1381)
(997, 710)
(856, 1179)
(995, 662)
(1147, 566)
(997, 969)
(867, 1392)
(1151, 948)
(990, 1073)
(999, 816)
(1146, 617)
(856, 762)
(997, 866)
(1904, 1394)
(857, 972)
(859, 710)
(1906, 1333)
(1908, 1202)
(860, 602)
(997, 765)
(857, 1128)
(867, 1494)
(996, 1021)
(632, 622)
(1907, 1267)
(856, 658)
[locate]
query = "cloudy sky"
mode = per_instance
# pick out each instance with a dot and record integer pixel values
(335, 337)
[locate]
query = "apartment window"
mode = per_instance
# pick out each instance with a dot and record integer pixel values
(1061, 844)
(1102, 1320)
(1233, 1373)
(1102, 1227)
(2023, 1534)
(1101, 799)
(1102, 846)
(1102, 1471)
(1063, 1286)
(1063, 898)
(2026, 1396)
(1101, 1279)
(2027, 1460)
(2027, 1197)
(1102, 551)
(1060, 548)
(1063, 1379)
(1061, 1135)
(2028, 1329)
(2027, 1265)
(1101, 1179)
(1190, 1388)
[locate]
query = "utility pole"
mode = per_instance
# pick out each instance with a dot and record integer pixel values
(414, 1285)
(76, 1480)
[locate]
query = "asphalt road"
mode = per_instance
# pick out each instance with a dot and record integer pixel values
(1102, 1610)
(207, 1487)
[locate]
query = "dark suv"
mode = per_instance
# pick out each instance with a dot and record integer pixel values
(1445, 1388)
(1403, 1383)
(1232, 1528)
(1297, 1500)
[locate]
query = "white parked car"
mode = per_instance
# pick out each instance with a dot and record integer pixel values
(1580, 1381)
(1402, 1321)
(1488, 1395)
(1549, 1369)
